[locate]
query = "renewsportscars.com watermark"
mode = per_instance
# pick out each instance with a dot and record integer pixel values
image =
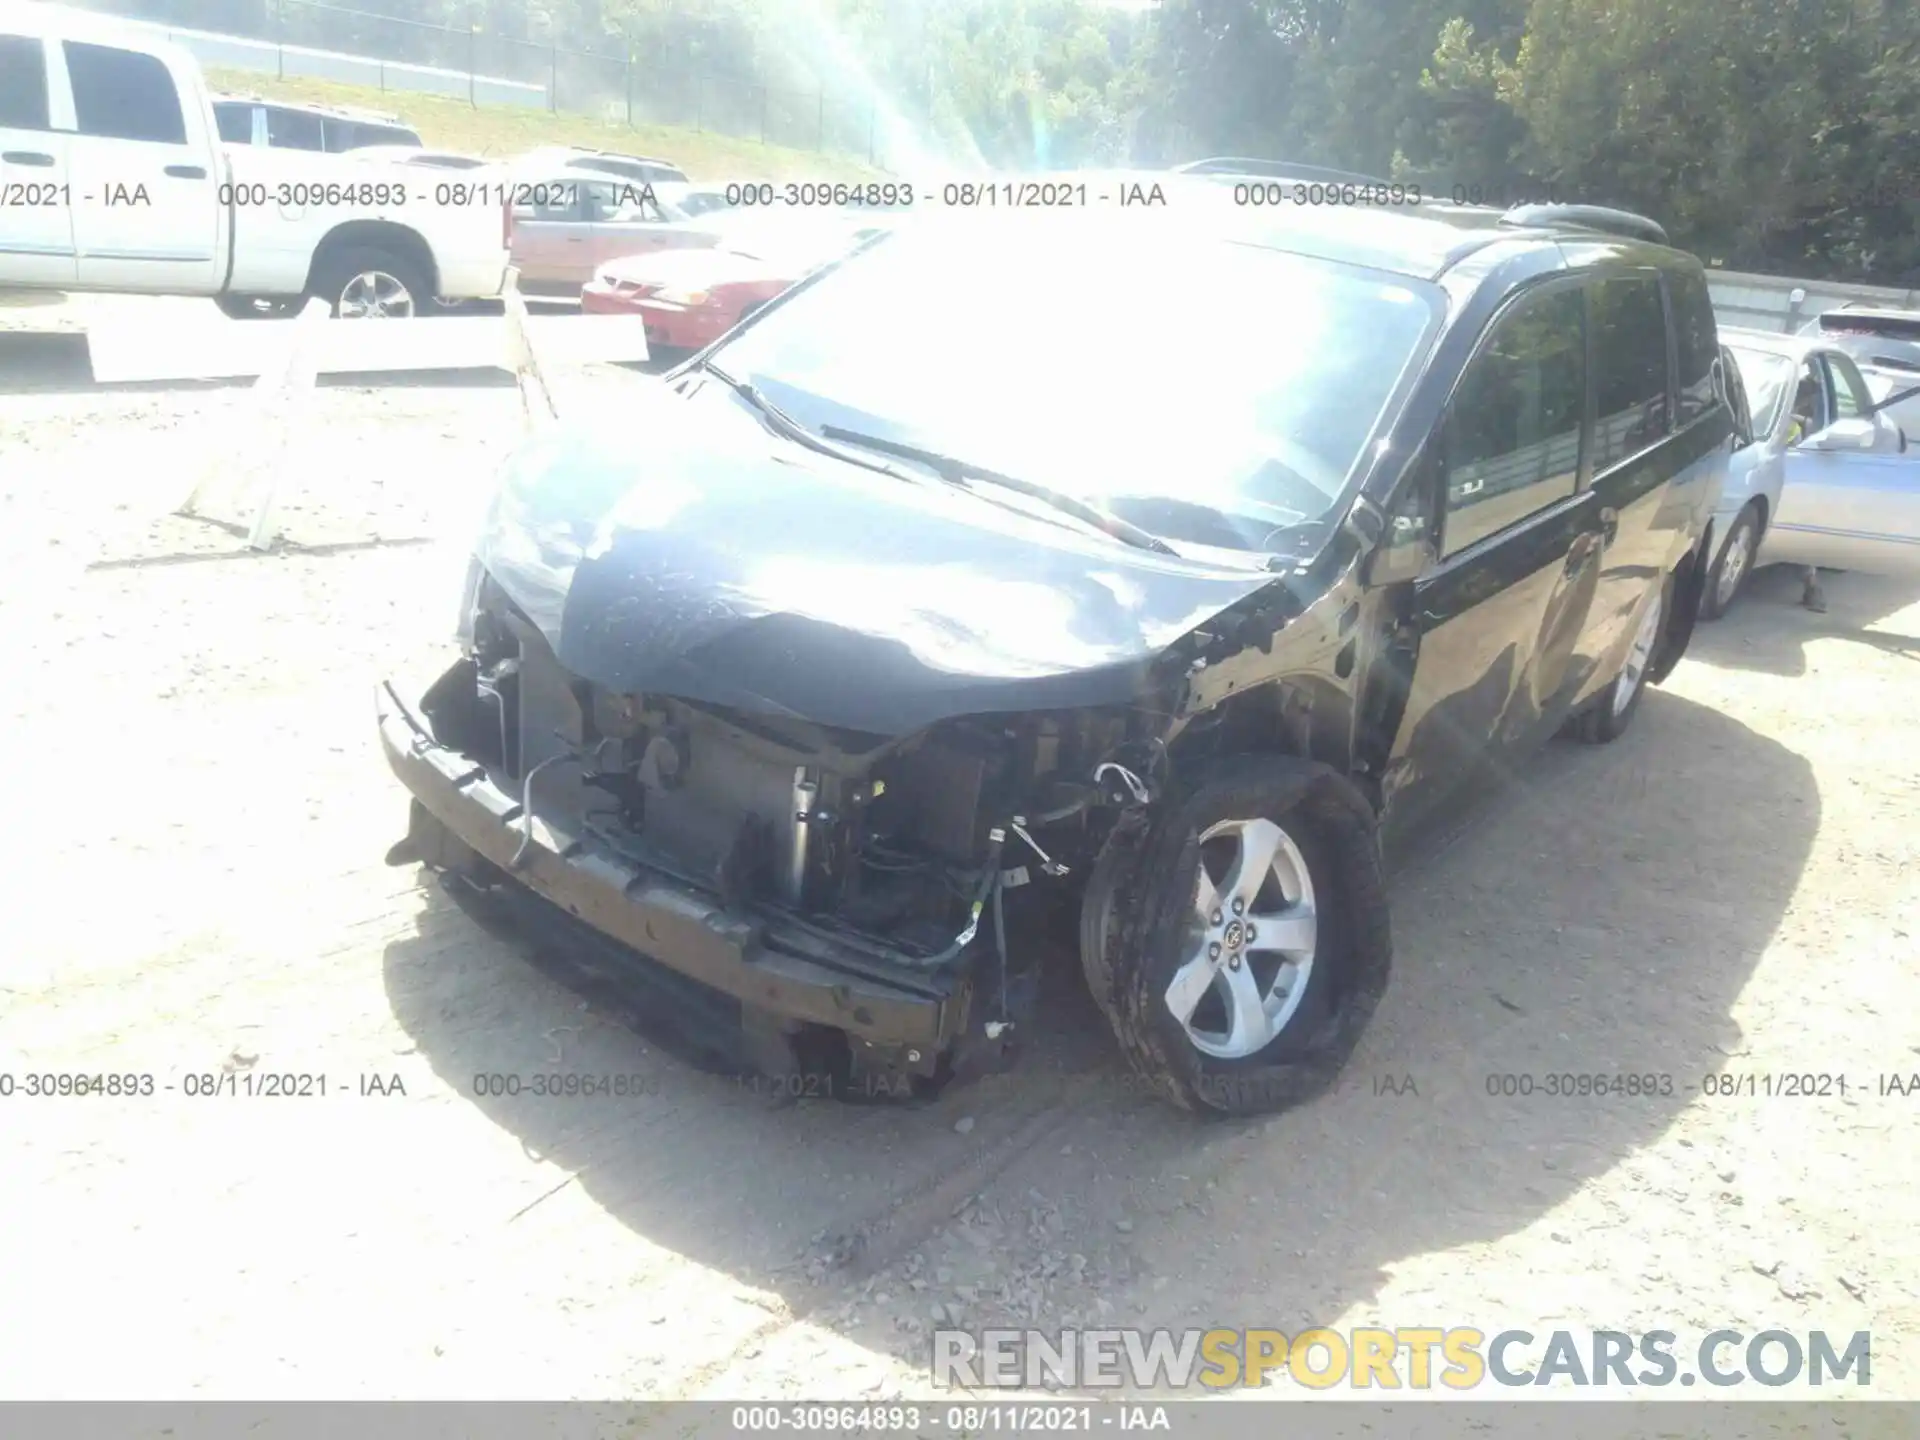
(1411, 1358)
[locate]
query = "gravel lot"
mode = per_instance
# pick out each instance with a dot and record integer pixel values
(198, 889)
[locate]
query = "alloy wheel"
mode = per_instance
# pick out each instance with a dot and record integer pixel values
(1733, 565)
(1250, 942)
(375, 294)
(1638, 658)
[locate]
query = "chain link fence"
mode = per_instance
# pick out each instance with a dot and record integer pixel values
(309, 39)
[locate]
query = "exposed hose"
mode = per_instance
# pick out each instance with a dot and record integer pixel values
(526, 808)
(989, 887)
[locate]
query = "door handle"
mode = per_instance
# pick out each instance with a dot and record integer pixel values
(1609, 526)
(187, 172)
(27, 157)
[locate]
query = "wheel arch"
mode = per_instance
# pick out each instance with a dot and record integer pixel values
(1304, 715)
(376, 235)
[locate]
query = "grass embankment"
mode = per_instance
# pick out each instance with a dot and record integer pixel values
(505, 130)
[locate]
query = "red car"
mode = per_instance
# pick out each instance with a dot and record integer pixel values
(690, 298)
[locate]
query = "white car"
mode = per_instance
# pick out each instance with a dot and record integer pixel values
(1886, 345)
(114, 177)
(1821, 479)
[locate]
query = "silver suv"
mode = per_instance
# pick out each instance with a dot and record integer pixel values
(250, 120)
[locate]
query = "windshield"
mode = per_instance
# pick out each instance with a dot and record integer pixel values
(1767, 378)
(1204, 390)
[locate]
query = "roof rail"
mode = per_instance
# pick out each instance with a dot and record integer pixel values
(1588, 217)
(1247, 167)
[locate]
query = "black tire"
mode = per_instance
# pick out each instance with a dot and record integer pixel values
(1603, 722)
(334, 271)
(1745, 532)
(257, 307)
(1139, 912)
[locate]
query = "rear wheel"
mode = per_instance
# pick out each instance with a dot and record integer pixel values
(366, 283)
(1735, 564)
(1606, 719)
(1239, 943)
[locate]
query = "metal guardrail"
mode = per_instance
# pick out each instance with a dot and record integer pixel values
(1783, 305)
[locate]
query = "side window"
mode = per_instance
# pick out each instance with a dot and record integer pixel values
(294, 129)
(23, 83)
(555, 201)
(123, 95)
(1510, 444)
(1848, 387)
(235, 123)
(1629, 369)
(1697, 341)
(1810, 408)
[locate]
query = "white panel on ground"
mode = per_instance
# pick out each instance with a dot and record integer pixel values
(216, 348)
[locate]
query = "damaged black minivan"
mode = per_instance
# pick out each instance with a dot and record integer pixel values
(1159, 564)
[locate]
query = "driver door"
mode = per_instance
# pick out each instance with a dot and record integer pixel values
(1850, 500)
(1516, 561)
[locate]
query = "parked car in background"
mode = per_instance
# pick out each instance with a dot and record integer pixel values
(298, 125)
(433, 159)
(694, 200)
(108, 139)
(823, 672)
(691, 297)
(641, 169)
(566, 224)
(1885, 343)
(1821, 480)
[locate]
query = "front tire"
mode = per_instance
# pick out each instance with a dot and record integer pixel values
(1239, 942)
(1730, 573)
(366, 283)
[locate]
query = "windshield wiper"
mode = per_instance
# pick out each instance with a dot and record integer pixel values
(958, 472)
(789, 428)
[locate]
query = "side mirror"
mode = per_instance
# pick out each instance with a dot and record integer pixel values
(1854, 433)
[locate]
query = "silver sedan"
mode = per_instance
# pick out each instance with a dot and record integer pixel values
(1822, 478)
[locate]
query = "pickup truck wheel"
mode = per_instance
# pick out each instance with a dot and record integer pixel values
(372, 284)
(1239, 943)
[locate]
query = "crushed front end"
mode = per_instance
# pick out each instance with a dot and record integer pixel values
(702, 712)
(849, 891)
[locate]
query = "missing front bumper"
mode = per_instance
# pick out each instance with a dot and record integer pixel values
(784, 968)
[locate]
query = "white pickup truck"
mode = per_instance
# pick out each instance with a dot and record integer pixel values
(113, 177)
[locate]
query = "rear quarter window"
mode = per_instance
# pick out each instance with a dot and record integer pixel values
(235, 123)
(294, 129)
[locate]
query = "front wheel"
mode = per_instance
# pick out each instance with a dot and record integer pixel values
(1735, 564)
(1239, 942)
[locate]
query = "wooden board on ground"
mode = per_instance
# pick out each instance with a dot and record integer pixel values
(216, 348)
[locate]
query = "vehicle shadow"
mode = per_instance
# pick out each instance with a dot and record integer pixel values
(1767, 628)
(1597, 912)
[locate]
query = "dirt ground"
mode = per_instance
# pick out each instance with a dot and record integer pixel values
(197, 888)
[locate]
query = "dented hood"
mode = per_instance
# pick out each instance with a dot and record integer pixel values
(689, 552)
